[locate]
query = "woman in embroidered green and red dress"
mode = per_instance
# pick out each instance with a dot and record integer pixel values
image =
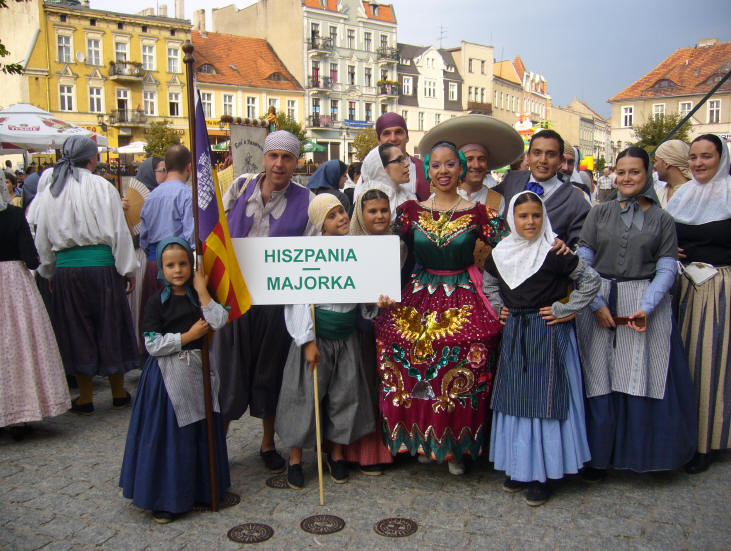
(434, 349)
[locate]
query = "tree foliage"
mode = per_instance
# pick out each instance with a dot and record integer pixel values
(285, 122)
(364, 141)
(159, 137)
(600, 164)
(654, 131)
(9, 68)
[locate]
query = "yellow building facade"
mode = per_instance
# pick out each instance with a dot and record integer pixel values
(109, 72)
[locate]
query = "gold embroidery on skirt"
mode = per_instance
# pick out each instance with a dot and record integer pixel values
(455, 382)
(394, 381)
(422, 329)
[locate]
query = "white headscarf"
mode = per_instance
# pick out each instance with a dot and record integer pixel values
(518, 258)
(695, 203)
(374, 176)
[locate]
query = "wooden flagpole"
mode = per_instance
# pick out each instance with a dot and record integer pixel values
(188, 60)
(317, 413)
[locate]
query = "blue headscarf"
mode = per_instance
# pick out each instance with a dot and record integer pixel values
(166, 292)
(75, 149)
(326, 176)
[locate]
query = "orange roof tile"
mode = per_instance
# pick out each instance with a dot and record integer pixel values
(332, 5)
(685, 71)
(240, 60)
(385, 12)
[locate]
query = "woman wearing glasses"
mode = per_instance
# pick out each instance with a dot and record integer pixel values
(386, 168)
(433, 348)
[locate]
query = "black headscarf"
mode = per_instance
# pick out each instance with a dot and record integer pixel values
(146, 172)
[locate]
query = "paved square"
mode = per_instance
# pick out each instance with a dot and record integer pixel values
(59, 491)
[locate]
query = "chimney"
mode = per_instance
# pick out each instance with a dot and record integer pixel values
(708, 42)
(199, 20)
(162, 10)
(179, 9)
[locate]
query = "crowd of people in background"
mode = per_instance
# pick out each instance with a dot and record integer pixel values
(557, 322)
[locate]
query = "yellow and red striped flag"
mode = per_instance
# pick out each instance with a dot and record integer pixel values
(219, 260)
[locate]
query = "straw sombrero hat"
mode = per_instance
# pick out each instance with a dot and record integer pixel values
(502, 141)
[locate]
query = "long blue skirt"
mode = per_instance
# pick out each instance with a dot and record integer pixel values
(529, 449)
(165, 467)
(646, 434)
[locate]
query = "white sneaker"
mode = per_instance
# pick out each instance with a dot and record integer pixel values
(423, 459)
(456, 467)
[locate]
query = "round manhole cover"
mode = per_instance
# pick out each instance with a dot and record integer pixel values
(395, 527)
(250, 532)
(229, 499)
(322, 524)
(279, 482)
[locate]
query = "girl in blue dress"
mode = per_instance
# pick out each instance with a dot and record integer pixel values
(165, 467)
(538, 428)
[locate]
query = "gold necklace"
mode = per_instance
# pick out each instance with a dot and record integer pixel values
(444, 218)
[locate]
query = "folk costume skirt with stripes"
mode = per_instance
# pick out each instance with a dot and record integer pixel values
(537, 448)
(165, 467)
(634, 423)
(92, 321)
(32, 380)
(705, 327)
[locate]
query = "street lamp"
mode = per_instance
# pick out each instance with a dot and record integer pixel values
(104, 128)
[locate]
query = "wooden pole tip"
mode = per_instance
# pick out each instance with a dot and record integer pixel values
(188, 50)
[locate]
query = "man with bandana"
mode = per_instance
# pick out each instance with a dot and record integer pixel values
(85, 249)
(566, 205)
(250, 352)
(671, 163)
(478, 182)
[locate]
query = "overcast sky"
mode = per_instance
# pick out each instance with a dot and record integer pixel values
(588, 49)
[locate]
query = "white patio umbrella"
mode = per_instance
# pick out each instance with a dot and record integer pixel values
(133, 148)
(26, 127)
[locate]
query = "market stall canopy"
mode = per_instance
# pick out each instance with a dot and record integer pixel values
(133, 148)
(25, 127)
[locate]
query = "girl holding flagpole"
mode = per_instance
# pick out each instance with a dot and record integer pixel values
(166, 462)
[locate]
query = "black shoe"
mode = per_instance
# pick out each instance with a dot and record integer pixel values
(19, 432)
(119, 403)
(699, 463)
(512, 486)
(273, 461)
(163, 517)
(295, 476)
(372, 470)
(338, 470)
(81, 409)
(538, 493)
(592, 475)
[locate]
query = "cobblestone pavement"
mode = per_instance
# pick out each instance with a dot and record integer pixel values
(59, 490)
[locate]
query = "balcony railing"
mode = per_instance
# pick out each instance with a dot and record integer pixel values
(125, 70)
(387, 54)
(388, 89)
(323, 83)
(127, 117)
(320, 44)
(479, 107)
(321, 121)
